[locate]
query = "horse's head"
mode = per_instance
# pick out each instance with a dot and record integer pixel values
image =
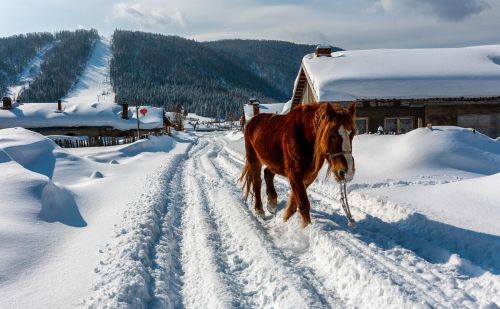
(335, 129)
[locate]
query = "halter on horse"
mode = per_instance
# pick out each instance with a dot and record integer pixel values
(296, 146)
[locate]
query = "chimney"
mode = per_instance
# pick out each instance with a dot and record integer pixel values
(7, 103)
(59, 105)
(323, 51)
(124, 110)
(255, 105)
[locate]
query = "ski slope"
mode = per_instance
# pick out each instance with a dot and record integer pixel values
(165, 226)
(29, 73)
(94, 84)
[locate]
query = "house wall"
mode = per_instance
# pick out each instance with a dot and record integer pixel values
(483, 117)
(377, 114)
(308, 95)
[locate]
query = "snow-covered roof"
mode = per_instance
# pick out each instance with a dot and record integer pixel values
(269, 108)
(45, 115)
(405, 73)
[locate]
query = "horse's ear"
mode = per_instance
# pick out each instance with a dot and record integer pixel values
(330, 111)
(352, 109)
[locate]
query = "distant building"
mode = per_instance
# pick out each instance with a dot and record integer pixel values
(402, 89)
(254, 107)
(81, 119)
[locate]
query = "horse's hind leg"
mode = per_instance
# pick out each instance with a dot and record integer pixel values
(256, 186)
(272, 196)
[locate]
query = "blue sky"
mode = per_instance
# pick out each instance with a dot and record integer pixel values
(351, 24)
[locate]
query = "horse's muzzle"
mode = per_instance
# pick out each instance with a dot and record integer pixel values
(343, 176)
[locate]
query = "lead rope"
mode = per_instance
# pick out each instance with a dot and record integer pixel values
(345, 203)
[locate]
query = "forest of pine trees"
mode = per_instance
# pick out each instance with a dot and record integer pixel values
(169, 71)
(15, 52)
(62, 66)
(277, 62)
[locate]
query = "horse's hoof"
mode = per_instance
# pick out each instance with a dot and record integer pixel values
(272, 205)
(260, 213)
(305, 224)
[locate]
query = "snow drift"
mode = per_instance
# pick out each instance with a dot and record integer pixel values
(425, 152)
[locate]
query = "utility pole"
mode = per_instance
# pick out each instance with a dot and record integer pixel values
(137, 115)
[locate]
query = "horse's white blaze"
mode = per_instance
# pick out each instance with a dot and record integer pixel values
(346, 146)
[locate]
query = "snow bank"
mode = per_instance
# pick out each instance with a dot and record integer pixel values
(28, 197)
(423, 152)
(406, 73)
(123, 153)
(44, 115)
(58, 207)
(472, 203)
(31, 150)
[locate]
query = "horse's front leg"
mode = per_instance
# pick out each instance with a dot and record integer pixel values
(291, 208)
(272, 196)
(299, 191)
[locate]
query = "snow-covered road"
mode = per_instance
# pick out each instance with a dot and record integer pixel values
(191, 241)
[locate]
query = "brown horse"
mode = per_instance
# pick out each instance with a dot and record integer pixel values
(296, 145)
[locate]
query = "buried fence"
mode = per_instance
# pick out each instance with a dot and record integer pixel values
(97, 141)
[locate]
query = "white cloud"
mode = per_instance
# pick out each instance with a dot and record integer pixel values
(147, 15)
(450, 10)
(351, 24)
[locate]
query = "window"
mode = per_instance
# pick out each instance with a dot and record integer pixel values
(405, 125)
(361, 125)
(391, 125)
(398, 125)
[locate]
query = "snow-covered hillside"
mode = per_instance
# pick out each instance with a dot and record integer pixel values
(161, 223)
(94, 85)
(30, 71)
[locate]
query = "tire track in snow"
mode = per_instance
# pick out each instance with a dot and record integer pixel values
(206, 280)
(127, 266)
(272, 278)
(166, 269)
(375, 263)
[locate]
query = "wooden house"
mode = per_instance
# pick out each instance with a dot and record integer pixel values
(94, 120)
(402, 89)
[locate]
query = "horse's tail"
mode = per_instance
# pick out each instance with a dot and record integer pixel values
(246, 176)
